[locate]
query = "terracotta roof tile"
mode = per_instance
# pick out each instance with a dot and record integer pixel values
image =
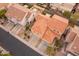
(39, 27)
(71, 36)
(57, 25)
(42, 17)
(62, 19)
(16, 11)
(49, 36)
(74, 46)
(48, 28)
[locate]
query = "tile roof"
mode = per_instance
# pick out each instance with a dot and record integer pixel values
(39, 26)
(48, 28)
(74, 46)
(62, 19)
(57, 26)
(71, 36)
(42, 17)
(49, 36)
(16, 11)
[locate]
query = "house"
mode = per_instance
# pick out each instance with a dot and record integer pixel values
(18, 14)
(70, 37)
(48, 28)
(4, 5)
(63, 6)
(73, 41)
(73, 48)
(72, 34)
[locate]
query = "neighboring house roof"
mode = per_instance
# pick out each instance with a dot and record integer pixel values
(4, 5)
(39, 27)
(58, 24)
(74, 46)
(47, 28)
(17, 12)
(73, 39)
(70, 37)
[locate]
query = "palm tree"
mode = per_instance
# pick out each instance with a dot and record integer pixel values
(71, 17)
(58, 44)
(27, 27)
(50, 50)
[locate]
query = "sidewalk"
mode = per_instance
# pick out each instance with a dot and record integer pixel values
(3, 51)
(23, 41)
(26, 43)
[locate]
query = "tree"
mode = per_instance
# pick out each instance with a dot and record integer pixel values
(71, 17)
(58, 44)
(29, 5)
(75, 16)
(50, 50)
(27, 26)
(67, 14)
(2, 13)
(72, 22)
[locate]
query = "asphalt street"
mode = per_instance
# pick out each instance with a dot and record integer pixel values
(16, 47)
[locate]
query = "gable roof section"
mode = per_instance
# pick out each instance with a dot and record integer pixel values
(74, 46)
(58, 24)
(49, 36)
(42, 17)
(46, 27)
(62, 19)
(71, 36)
(39, 26)
(16, 11)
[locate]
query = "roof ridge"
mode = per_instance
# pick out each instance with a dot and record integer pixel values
(61, 18)
(17, 6)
